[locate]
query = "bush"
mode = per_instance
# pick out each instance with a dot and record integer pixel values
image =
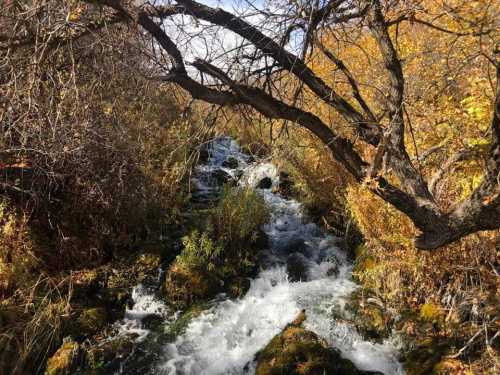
(200, 252)
(224, 254)
(238, 217)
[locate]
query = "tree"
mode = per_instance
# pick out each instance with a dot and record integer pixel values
(267, 69)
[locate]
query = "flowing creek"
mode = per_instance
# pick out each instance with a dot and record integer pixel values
(226, 336)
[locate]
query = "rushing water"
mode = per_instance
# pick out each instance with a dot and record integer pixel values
(225, 338)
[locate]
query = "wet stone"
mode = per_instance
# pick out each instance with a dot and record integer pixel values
(333, 271)
(296, 267)
(231, 163)
(221, 176)
(265, 183)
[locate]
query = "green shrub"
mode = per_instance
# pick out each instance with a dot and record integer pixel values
(200, 251)
(238, 217)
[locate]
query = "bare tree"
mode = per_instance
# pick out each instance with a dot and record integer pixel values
(269, 50)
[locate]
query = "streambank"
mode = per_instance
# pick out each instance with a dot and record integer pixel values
(302, 268)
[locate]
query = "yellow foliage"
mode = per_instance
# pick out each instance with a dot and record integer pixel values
(430, 312)
(61, 362)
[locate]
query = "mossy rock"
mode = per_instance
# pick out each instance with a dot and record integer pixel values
(371, 320)
(238, 287)
(107, 356)
(450, 366)
(184, 285)
(65, 359)
(180, 324)
(87, 281)
(297, 351)
(92, 320)
(425, 355)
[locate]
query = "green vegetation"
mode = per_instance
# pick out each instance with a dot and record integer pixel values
(224, 255)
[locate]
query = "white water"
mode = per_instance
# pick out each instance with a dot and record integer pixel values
(225, 338)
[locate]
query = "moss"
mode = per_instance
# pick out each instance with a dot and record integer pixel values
(430, 312)
(64, 359)
(371, 321)
(297, 351)
(92, 320)
(184, 285)
(449, 366)
(425, 354)
(179, 325)
(109, 354)
(364, 263)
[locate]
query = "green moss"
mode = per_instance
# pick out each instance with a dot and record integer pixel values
(64, 359)
(92, 320)
(425, 355)
(297, 351)
(115, 350)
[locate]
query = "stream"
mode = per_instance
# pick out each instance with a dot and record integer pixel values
(226, 336)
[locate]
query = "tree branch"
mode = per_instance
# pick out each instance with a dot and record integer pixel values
(367, 130)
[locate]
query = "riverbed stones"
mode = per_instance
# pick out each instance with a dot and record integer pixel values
(265, 183)
(221, 177)
(230, 162)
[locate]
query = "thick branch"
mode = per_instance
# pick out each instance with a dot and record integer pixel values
(368, 131)
(341, 148)
(445, 167)
(410, 178)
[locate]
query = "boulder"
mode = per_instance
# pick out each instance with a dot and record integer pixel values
(186, 285)
(230, 162)
(333, 271)
(204, 153)
(221, 177)
(297, 351)
(265, 183)
(152, 321)
(297, 245)
(106, 358)
(296, 267)
(65, 360)
(285, 184)
(92, 320)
